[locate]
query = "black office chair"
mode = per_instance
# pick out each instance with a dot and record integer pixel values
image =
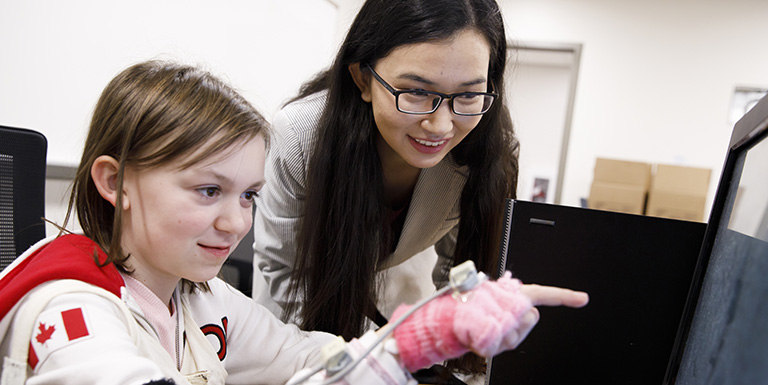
(22, 190)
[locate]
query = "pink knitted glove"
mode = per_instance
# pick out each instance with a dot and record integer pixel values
(446, 327)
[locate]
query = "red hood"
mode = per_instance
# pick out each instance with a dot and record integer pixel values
(66, 257)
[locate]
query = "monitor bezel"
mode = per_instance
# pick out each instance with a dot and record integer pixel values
(747, 132)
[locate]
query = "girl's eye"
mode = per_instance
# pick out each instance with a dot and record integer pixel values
(250, 195)
(248, 199)
(209, 191)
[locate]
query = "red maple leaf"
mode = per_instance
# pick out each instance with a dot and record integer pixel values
(45, 332)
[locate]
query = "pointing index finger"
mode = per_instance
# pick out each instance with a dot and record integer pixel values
(554, 296)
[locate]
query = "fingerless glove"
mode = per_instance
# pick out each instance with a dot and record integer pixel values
(451, 325)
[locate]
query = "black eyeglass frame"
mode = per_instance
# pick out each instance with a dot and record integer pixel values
(396, 93)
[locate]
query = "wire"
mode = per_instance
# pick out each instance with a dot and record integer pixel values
(466, 283)
(390, 328)
(389, 331)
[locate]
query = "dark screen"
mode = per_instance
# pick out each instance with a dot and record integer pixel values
(637, 270)
(728, 338)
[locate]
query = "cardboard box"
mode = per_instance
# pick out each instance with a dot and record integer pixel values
(679, 192)
(623, 198)
(620, 185)
(623, 171)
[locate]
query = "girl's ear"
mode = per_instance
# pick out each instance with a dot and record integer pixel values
(104, 174)
(362, 80)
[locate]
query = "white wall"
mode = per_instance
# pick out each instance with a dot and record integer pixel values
(656, 76)
(655, 83)
(59, 55)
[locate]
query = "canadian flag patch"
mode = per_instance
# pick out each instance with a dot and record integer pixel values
(55, 330)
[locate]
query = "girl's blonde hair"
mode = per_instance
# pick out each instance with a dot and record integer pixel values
(152, 114)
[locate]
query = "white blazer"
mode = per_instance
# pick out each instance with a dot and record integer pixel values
(432, 218)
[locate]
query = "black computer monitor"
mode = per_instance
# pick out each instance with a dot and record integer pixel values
(637, 270)
(723, 338)
(671, 302)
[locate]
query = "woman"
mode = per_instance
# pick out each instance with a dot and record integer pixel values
(403, 144)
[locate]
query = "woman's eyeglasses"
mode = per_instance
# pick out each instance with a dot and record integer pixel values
(422, 102)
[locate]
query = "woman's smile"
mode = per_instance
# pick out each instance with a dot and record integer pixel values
(426, 146)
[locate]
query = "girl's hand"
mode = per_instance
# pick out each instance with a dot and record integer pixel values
(541, 296)
(491, 318)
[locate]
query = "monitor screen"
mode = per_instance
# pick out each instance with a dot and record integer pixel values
(637, 270)
(723, 338)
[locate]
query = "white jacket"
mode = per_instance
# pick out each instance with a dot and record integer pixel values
(85, 337)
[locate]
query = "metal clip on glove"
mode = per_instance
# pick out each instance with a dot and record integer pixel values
(451, 325)
(380, 367)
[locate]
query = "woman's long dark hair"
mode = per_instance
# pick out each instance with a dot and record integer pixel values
(343, 237)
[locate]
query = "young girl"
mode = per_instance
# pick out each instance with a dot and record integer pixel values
(164, 193)
(403, 144)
